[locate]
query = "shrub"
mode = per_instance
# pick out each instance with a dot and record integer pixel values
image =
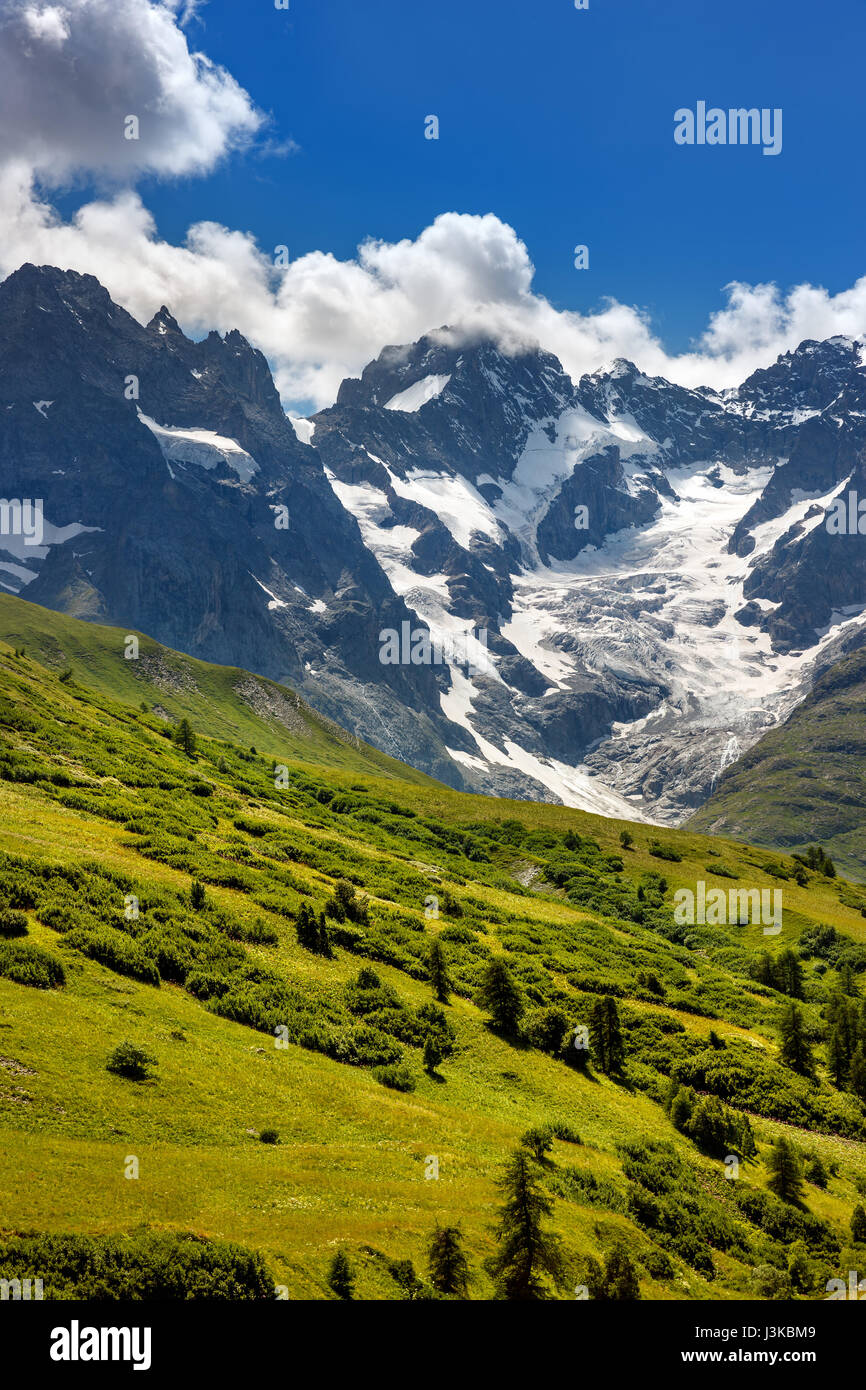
(657, 1264)
(815, 1172)
(142, 1266)
(115, 951)
(131, 1062)
(269, 1136)
(546, 1029)
(397, 1078)
(770, 1283)
(539, 1141)
(12, 923)
(660, 851)
(27, 964)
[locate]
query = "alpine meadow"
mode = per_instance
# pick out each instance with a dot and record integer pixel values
(271, 1004)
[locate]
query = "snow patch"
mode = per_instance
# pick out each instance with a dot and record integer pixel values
(418, 394)
(202, 447)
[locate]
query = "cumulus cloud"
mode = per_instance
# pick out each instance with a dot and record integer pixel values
(72, 72)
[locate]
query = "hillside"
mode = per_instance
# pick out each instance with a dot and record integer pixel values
(806, 779)
(106, 828)
(226, 702)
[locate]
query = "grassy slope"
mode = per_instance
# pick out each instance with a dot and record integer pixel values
(806, 780)
(262, 713)
(350, 1168)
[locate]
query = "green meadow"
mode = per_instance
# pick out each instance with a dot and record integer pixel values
(157, 890)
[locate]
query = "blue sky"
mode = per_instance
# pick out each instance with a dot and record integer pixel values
(556, 129)
(559, 121)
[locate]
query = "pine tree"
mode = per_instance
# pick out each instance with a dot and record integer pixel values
(841, 1036)
(681, 1108)
(323, 941)
(620, 1276)
(857, 1072)
(527, 1252)
(307, 927)
(340, 1278)
(184, 736)
(197, 895)
(432, 1053)
(437, 967)
(793, 1044)
(789, 974)
(785, 1171)
(838, 1053)
(799, 1269)
(539, 1141)
(746, 1138)
(763, 969)
(501, 997)
(605, 1035)
(446, 1262)
(848, 980)
(858, 1225)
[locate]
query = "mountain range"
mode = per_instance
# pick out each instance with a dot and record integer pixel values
(631, 581)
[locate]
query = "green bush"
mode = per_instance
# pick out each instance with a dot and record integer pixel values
(116, 951)
(12, 923)
(396, 1078)
(131, 1062)
(28, 964)
(143, 1266)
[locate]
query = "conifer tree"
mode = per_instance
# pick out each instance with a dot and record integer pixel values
(323, 941)
(789, 974)
(681, 1108)
(340, 1278)
(528, 1256)
(446, 1263)
(307, 927)
(184, 736)
(539, 1141)
(857, 1072)
(432, 1053)
(605, 1034)
(858, 1225)
(746, 1138)
(620, 1276)
(793, 1043)
(785, 1171)
(197, 895)
(437, 967)
(501, 997)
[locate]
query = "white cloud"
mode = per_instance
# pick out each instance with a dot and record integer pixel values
(72, 71)
(48, 24)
